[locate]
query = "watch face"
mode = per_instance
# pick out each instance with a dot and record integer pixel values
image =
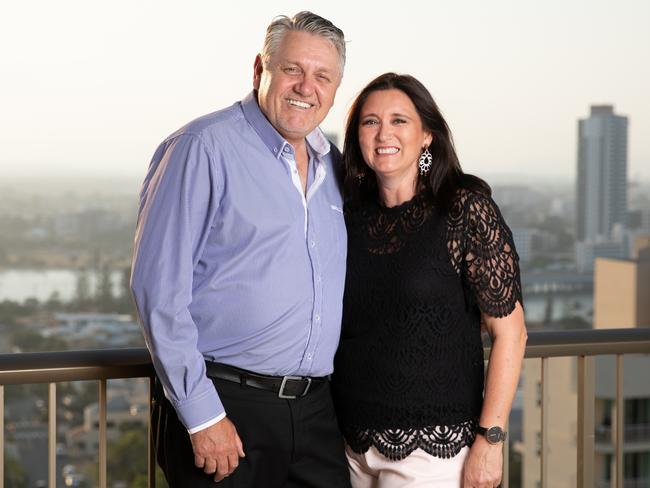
(494, 435)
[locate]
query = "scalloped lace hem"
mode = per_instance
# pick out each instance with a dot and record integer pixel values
(442, 441)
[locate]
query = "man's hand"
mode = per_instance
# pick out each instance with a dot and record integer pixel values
(217, 449)
(483, 465)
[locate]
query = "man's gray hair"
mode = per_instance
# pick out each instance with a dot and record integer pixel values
(304, 22)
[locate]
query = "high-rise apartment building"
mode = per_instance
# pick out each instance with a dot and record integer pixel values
(602, 173)
(601, 187)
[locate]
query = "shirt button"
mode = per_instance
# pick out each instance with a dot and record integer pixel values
(309, 356)
(317, 318)
(313, 243)
(318, 279)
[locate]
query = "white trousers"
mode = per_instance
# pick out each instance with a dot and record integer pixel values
(418, 470)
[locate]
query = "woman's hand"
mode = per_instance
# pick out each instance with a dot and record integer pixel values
(484, 465)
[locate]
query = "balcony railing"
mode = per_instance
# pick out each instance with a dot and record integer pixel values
(636, 482)
(632, 433)
(627, 483)
(102, 365)
(55, 367)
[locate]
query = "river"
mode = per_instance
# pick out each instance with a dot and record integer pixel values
(20, 284)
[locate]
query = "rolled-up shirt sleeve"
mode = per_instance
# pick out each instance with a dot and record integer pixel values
(178, 205)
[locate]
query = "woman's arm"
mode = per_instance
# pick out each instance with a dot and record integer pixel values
(484, 464)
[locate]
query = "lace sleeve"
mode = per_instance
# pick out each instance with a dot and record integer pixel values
(483, 252)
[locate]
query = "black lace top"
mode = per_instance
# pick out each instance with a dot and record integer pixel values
(409, 367)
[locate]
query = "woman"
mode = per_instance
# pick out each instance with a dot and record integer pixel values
(430, 260)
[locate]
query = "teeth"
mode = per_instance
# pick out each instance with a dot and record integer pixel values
(387, 150)
(298, 103)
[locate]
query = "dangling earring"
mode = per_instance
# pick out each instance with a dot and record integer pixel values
(425, 161)
(360, 177)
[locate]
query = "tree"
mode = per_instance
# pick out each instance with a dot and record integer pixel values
(548, 308)
(10, 310)
(54, 302)
(82, 293)
(104, 296)
(140, 481)
(29, 341)
(15, 474)
(125, 284)
(127, 456)
(124, 302)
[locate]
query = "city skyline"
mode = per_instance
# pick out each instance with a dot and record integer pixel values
(90, 90)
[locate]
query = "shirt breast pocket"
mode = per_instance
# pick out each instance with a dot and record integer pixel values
(335, 232)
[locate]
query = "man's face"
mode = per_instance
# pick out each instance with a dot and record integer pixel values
(297, 88)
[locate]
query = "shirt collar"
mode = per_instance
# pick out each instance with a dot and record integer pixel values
(271, 137)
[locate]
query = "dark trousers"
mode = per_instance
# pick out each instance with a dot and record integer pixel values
(288, 443)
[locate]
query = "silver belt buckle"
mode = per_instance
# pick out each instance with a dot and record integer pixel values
(284, 382)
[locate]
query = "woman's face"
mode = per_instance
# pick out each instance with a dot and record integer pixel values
(391, 135)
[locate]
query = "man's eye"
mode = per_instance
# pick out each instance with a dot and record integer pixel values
(323, 78)
(291, 70)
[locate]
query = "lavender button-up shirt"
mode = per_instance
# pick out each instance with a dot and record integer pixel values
(232, 261)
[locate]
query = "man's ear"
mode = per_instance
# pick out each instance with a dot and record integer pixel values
(257, 71)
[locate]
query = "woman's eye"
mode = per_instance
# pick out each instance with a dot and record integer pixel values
(369, 122)
(399, 121)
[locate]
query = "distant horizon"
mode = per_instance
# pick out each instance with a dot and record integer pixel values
(21, 172)
(52, 180)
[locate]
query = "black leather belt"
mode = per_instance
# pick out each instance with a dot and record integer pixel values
(289, 387)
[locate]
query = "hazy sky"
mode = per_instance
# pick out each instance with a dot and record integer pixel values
(91, 88)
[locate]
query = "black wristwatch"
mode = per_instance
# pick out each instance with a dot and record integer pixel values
(493, 435)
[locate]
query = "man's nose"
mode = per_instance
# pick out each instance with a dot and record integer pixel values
(305, 86)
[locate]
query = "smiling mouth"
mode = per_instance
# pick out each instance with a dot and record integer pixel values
(387, 150)
(299, 104)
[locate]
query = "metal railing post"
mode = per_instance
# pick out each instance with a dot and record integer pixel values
(102, 433)
(544, 424)
(586, 424)
(151, 449)
(620, 426)
(2, 436)
(51, 435)
(505, 483)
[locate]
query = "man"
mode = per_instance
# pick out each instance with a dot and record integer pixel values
(238, 276)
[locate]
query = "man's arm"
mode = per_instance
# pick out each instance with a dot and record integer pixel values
(178, 205)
